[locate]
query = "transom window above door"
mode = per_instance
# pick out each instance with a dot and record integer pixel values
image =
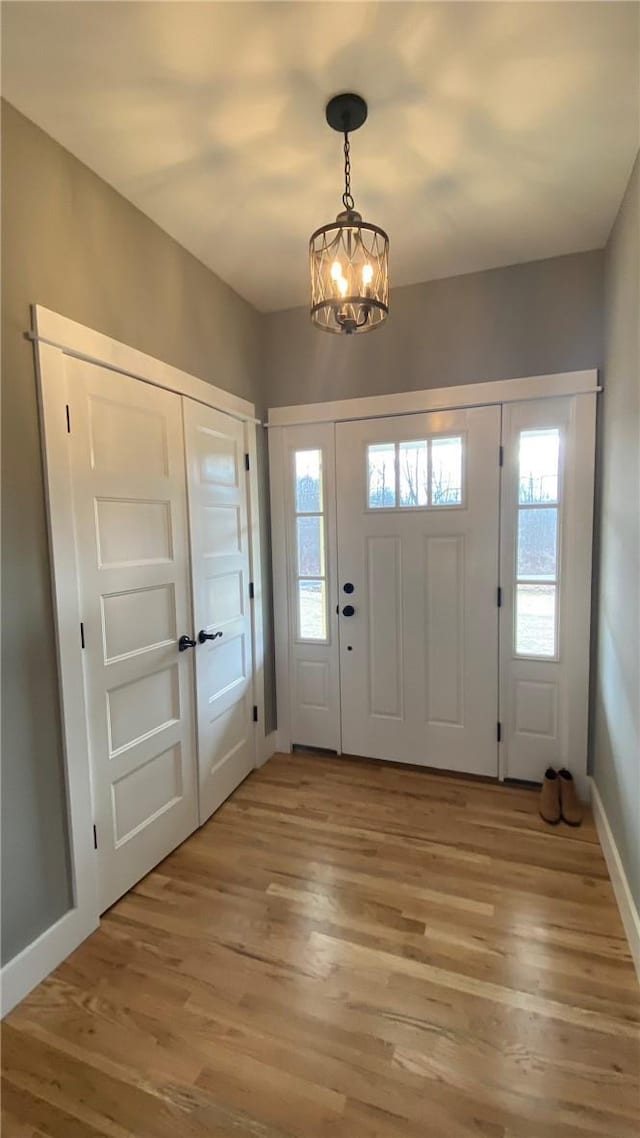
(416, 473)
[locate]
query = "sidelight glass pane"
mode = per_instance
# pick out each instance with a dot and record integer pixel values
(312, 610)
(310, 542)
(446, 472)
(413, 471)
(537, 543)
(536, 620)
(539, 454)
(308, 464)
(381, 466)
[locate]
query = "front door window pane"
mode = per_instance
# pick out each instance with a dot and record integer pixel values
(446, 472)
(312, 610)
(536, 620)
(310, 546)
(413, 470)
(539, 453)
(381, 462)
(537, 543)
(308, 481)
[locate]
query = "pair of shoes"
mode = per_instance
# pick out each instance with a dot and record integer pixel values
(558, 798)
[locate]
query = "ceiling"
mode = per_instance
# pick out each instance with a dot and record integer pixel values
(497, 132)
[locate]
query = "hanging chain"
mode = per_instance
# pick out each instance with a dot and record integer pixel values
(347, 199)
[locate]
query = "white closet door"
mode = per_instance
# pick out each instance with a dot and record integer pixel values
(418, 514)
(547, 510)
(130, 511)
(218, 517)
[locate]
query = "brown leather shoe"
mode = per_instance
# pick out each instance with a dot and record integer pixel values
(550, 797)
(570, 805)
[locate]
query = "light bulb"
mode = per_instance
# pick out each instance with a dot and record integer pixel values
(336, 271)
(343, 285)
(367, 274)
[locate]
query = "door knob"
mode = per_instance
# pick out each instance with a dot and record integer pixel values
(348, 587)
(202, 635)
(348, 610)
(185, 642)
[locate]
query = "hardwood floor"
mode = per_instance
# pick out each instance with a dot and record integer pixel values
(346, 950)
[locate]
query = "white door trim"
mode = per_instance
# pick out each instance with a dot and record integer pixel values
(438, 398)
(75, 340)
(54, 337)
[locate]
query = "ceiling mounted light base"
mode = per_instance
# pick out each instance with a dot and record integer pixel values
(349, 258)
(346, 113)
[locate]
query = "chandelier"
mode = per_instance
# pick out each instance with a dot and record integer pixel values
(349, 258)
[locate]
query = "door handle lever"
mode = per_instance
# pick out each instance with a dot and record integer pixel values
(185, 642)
(202, 635)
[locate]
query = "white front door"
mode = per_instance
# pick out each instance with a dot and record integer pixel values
(417, 528)
(132, 543)
(218, 518)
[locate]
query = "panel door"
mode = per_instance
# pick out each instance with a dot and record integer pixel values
(418, 515)
(130, 511)
(547, 510)
(218, 520)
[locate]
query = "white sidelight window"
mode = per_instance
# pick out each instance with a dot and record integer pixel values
(311, 561)
(547, 503)
(537, 547)
(305, 584)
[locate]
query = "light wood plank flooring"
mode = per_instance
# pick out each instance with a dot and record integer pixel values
(347, 950)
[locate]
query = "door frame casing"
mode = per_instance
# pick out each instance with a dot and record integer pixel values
(478, 394)
(54, 337)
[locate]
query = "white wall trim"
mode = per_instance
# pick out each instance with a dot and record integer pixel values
(626, 905)
(438, 399)
(39, 958)
(86, 344)
(54, 338)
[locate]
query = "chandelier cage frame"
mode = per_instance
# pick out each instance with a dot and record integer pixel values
(349, 257)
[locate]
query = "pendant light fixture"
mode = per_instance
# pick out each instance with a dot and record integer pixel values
(349, 258)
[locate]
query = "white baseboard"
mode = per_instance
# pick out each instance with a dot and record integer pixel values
(38, 960)
(269, 747)
(626, 905)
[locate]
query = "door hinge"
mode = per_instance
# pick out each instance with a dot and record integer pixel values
(68, 414)
(255, 714)
(82, 634)
(247, 463)
(251, 591)
(499, 596)
(500, 455)
(499, 732)
(95, 838)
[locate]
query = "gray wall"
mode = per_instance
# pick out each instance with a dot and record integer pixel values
(70, 242)
(616, 705)
(531, 319)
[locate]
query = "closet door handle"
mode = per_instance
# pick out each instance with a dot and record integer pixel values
(202, 635)
(185, 642)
